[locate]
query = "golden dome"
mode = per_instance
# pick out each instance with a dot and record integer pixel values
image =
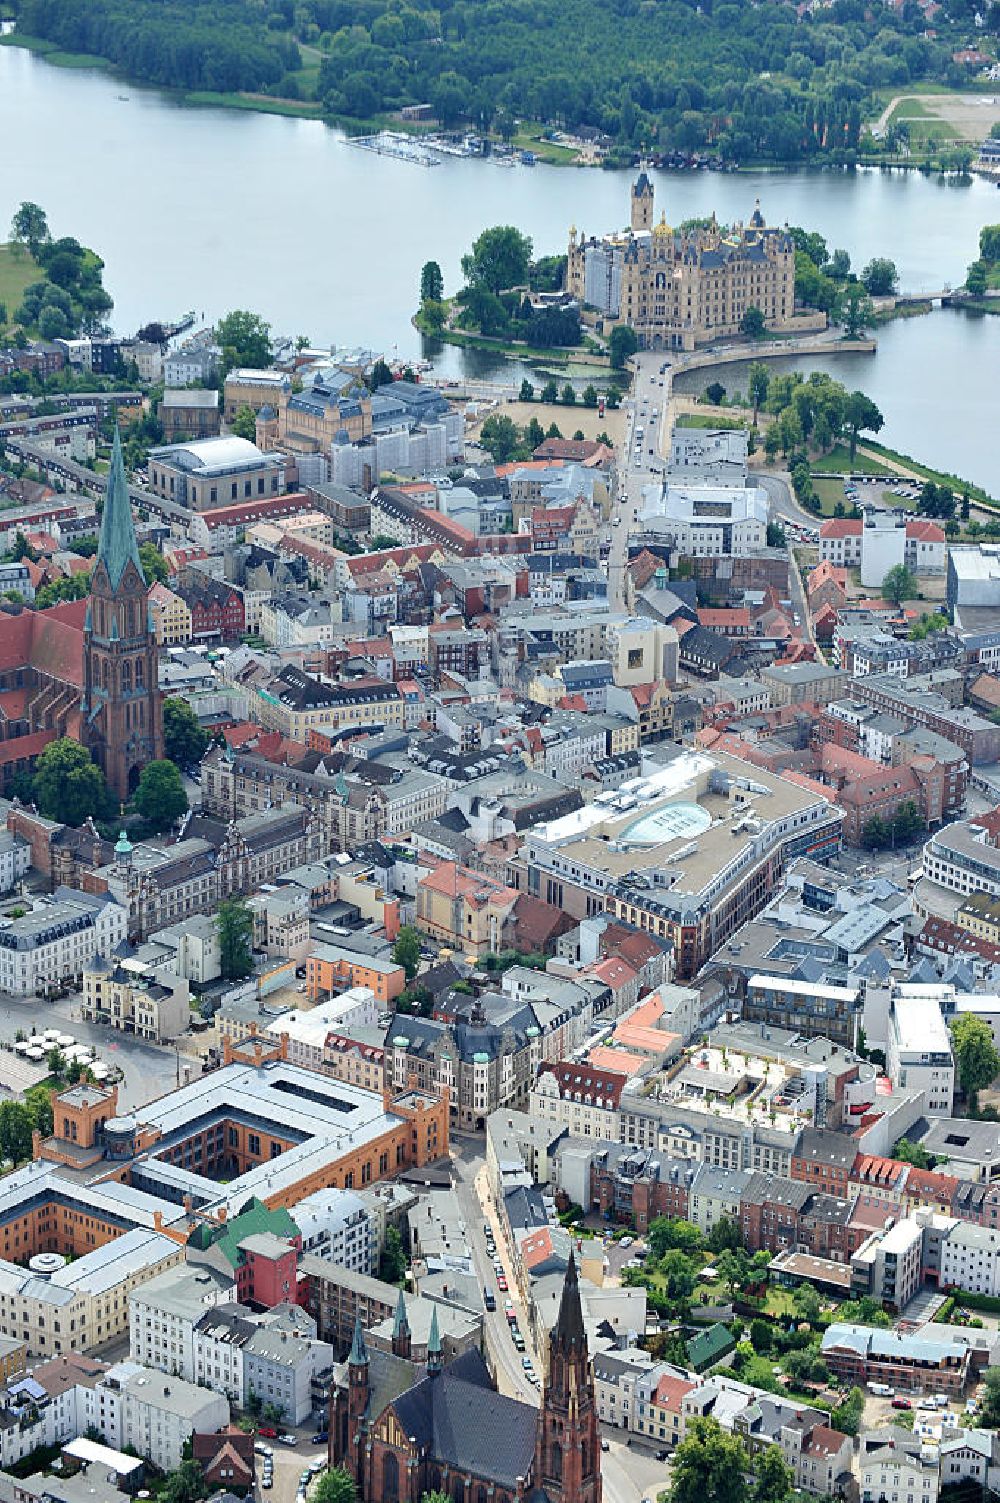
(663, 227)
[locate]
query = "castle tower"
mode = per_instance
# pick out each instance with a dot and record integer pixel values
(401, 1337)
(568, 1455)
(642, 203)
(121, 720)
(351, 1454)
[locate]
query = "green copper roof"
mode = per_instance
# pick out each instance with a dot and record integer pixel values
(118, 543)
(434, 1337)
(254, 1217)
(400, 1324)
(359, 1352)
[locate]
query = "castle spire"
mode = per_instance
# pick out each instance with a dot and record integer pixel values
(118, 541)
(401, 1341)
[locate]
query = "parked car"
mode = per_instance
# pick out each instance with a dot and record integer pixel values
(288, 1439)
(267, 1430)
(901, 1404)
(262, 1449)
(605, 1445)
(320, 1438)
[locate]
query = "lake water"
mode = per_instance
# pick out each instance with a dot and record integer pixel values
(214, 209)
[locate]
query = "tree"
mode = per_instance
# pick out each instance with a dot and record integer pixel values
(154, 565)
(381, 375)
(499, 437)
(30, 227)
(568, 396)
(527, 392)
(15, 1131)
(977, 278)
(775, 535)
(160, 796)
(807, 1305)
(550, 392)
(990, 1402)
(590, 396)
(185, 1485)
(857, 312)
(392, 1265)
(861, 416)
(244, 424)
(975, 1055)
(184, 741)
(913, 1153)
(839, 266)
(499, 259)
(55, 1061)
(753, 323)
(715, 393)
(732, 1266)
(760, 1336)
(623, 342)
(434, 1497)
(989, 241)
(678, 1273)
(234, 922)
(847, 1416)
(245, 339)
(757, 384)
(431, 282)
(666, 1232)
(899, 584)
(725, 1233)
(774, 1479)
(709, 1466)
(68, 785)
(880, 277)
(406, 950)
(335, 1486)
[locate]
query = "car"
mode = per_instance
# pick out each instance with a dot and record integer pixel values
(288, 1439)
(940, 1399)
(605, 1445)
(490, 1301)
(267, 1430)
(518, 1341)
(267, 1480)
(970, 1406)
(927, 1404)
(262, 1449)
(320, 1438)
(305, 1477)
(317, 1465)
(881, 1390)
(901, 1404)
(662, 1455)
(626, 1241)
(527, 1364)
(502, 1284)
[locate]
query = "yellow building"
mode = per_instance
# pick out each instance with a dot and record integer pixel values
(171, 617)
(295, 703)
(980, 915)
(682, 288)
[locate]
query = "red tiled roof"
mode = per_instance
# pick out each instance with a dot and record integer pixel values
(670, 1393)
(841, 527)
(719, 619)
(578, 1081)
(924, 531)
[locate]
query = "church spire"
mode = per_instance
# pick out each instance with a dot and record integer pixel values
(434, 1352)
(569, 1333)
(118, 541)
(401, 1341)
(359, 1352)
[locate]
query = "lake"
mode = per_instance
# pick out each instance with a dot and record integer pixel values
(214, 209)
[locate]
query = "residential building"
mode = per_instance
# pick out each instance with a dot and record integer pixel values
(134, 998)
(58, 938)
(894, 1463)
(919, 1055)
(171, 616)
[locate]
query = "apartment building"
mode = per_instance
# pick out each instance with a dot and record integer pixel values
(919, 1054)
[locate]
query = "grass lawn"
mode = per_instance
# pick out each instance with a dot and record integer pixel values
(17, 272)
(546, 151)
(705, 420)
(779, 1302)
(838, 462)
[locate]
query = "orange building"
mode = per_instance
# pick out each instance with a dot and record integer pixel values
(330, 969)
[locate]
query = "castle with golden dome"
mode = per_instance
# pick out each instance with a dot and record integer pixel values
(682, 288)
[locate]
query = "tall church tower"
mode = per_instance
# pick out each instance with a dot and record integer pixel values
(568, 1453)
(122, 718)
(642, 203)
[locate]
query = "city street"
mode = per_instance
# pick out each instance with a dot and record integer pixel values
(638, 469)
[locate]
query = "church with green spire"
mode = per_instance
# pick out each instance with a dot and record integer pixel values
(121, 714)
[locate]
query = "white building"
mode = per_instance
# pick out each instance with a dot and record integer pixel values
(15, 859)
(307, 1032)
(337, 1225)
(970, 1259)
(616, 1375)
(898, 1466)
(706, 521)
(162, 1315)
(58, 938)
(883, 544)
(919, 1055)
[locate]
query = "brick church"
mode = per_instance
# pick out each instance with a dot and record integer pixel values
(403, 1428)
(87, 669)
